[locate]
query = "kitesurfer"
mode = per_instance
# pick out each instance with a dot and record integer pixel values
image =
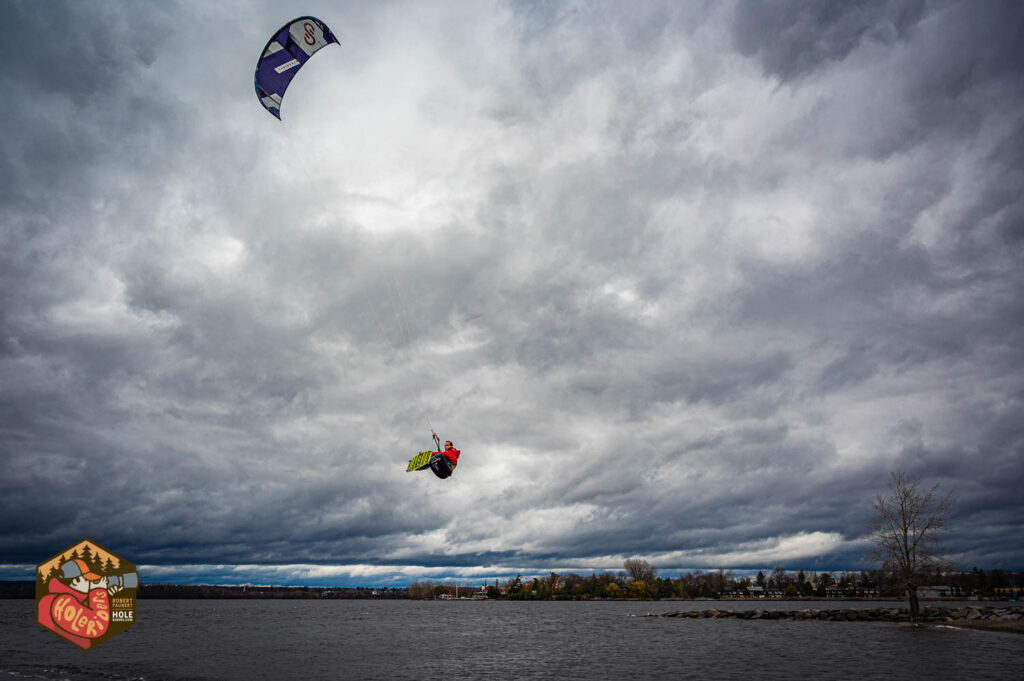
(444, 462)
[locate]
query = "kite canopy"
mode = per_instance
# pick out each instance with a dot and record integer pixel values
(289, 48)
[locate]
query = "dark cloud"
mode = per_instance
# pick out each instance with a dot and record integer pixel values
(666, 307)
(795, 38)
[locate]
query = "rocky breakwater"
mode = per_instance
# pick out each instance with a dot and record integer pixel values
(1003, 619)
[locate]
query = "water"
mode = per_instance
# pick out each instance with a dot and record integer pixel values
(393, 640)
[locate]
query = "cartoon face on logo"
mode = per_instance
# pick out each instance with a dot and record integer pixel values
(86, 594)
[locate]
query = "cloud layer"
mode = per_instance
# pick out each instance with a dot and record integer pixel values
(683, 281)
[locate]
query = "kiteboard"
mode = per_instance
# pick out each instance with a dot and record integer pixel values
(420, 461)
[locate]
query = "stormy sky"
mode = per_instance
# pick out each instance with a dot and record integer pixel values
(682, 280)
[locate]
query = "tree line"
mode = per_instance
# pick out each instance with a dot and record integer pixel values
(989, 584)
(639, 579)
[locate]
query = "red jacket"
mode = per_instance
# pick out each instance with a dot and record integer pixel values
(452, 455)
(76, 616)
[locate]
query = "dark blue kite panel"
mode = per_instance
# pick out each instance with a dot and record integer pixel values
(285, 53)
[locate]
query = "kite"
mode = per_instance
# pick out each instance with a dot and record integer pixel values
(286, 51)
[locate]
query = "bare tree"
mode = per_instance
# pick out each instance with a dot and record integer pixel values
(778, 579)
(639, 570)
(905, 532)
(421, 590)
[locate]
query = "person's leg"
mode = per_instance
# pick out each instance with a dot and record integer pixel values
(440, 466)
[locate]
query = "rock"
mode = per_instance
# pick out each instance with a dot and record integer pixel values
(1005, 616)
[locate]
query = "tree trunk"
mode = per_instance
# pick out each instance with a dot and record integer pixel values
(915, 609)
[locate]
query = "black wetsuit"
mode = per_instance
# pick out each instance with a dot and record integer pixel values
(441, 466)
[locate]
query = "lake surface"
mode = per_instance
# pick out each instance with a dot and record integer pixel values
(346, 639)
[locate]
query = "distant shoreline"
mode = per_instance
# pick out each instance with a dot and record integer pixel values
(25, 589)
